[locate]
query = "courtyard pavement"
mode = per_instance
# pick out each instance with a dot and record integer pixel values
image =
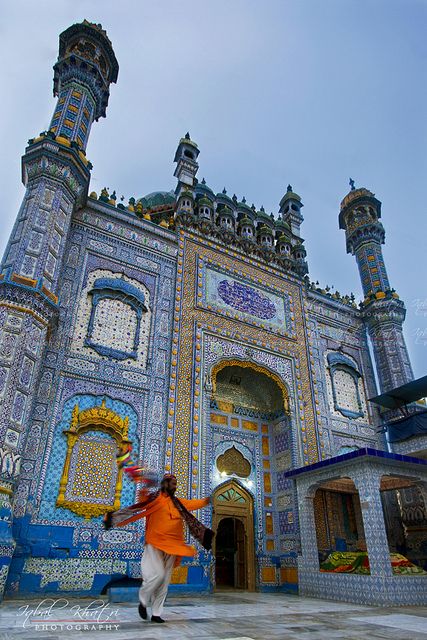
(229, 615)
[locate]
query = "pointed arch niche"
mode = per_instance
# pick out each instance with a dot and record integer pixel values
(250, 430)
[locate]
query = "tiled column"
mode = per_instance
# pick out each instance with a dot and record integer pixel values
(310, 556)
(368, 484)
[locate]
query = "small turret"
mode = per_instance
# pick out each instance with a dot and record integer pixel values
(290, 209)
(246, 228)
(265, 236)
(186, 159)
(226, 218)
(205, 208)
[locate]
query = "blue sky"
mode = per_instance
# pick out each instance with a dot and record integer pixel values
(307, 92)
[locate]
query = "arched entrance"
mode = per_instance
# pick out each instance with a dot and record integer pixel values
(233, 521)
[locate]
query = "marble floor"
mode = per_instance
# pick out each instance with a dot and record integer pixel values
(229, 615)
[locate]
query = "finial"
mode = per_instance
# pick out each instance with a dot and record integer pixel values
(289, 188)
(234, 198)
(203, 181)
(253, 207)
(224, 191)
(187, 136)
(244, 200)
(262, 209)
(351, 183)
(105, 196)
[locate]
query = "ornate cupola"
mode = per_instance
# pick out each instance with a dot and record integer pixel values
(225, 218)
(184, 213)
(186, 162)
(283, 242)
(202, 189)
(290, 209)
(246, 228)
(300, 255)
(205, 208)
(246, 224)
(265, 236)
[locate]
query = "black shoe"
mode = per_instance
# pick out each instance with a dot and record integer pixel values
(142, 611)
(157, 619)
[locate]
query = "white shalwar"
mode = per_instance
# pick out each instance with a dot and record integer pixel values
(156, 569)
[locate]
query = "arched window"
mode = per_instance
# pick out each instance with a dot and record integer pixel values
(114, 325)
(345, 385)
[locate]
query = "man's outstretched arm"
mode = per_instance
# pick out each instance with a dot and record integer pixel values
(193, 505)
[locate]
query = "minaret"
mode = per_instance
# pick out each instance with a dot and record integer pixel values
(290, 210)
(56, 175)
(186, 163)
(185, 172)
(55, 170)
(383, 312)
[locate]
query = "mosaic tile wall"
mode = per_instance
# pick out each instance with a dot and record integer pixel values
(167, 392)
(37, 244)
(74, 114)
(338, 329)
(172, 432)
(132, 388)
(205, 337)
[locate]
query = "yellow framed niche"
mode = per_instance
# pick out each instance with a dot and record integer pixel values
(91, 482)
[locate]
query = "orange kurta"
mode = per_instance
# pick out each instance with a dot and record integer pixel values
(165, 527)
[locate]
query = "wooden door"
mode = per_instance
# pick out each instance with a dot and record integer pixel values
(231, 500)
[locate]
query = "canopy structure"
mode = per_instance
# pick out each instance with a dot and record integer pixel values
(401, 396)
(414, 424)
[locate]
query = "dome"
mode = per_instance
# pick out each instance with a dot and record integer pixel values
(157, 199)
(283, 238)
(223, 198)
(281, 224)
(290, 195)
(264, 228)
(225, 211)
(246, 220)
(204, 202)
(354, 194)
(202, 188)
(243, 206)
(264, 219)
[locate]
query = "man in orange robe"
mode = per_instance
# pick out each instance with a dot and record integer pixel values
(164, 545)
